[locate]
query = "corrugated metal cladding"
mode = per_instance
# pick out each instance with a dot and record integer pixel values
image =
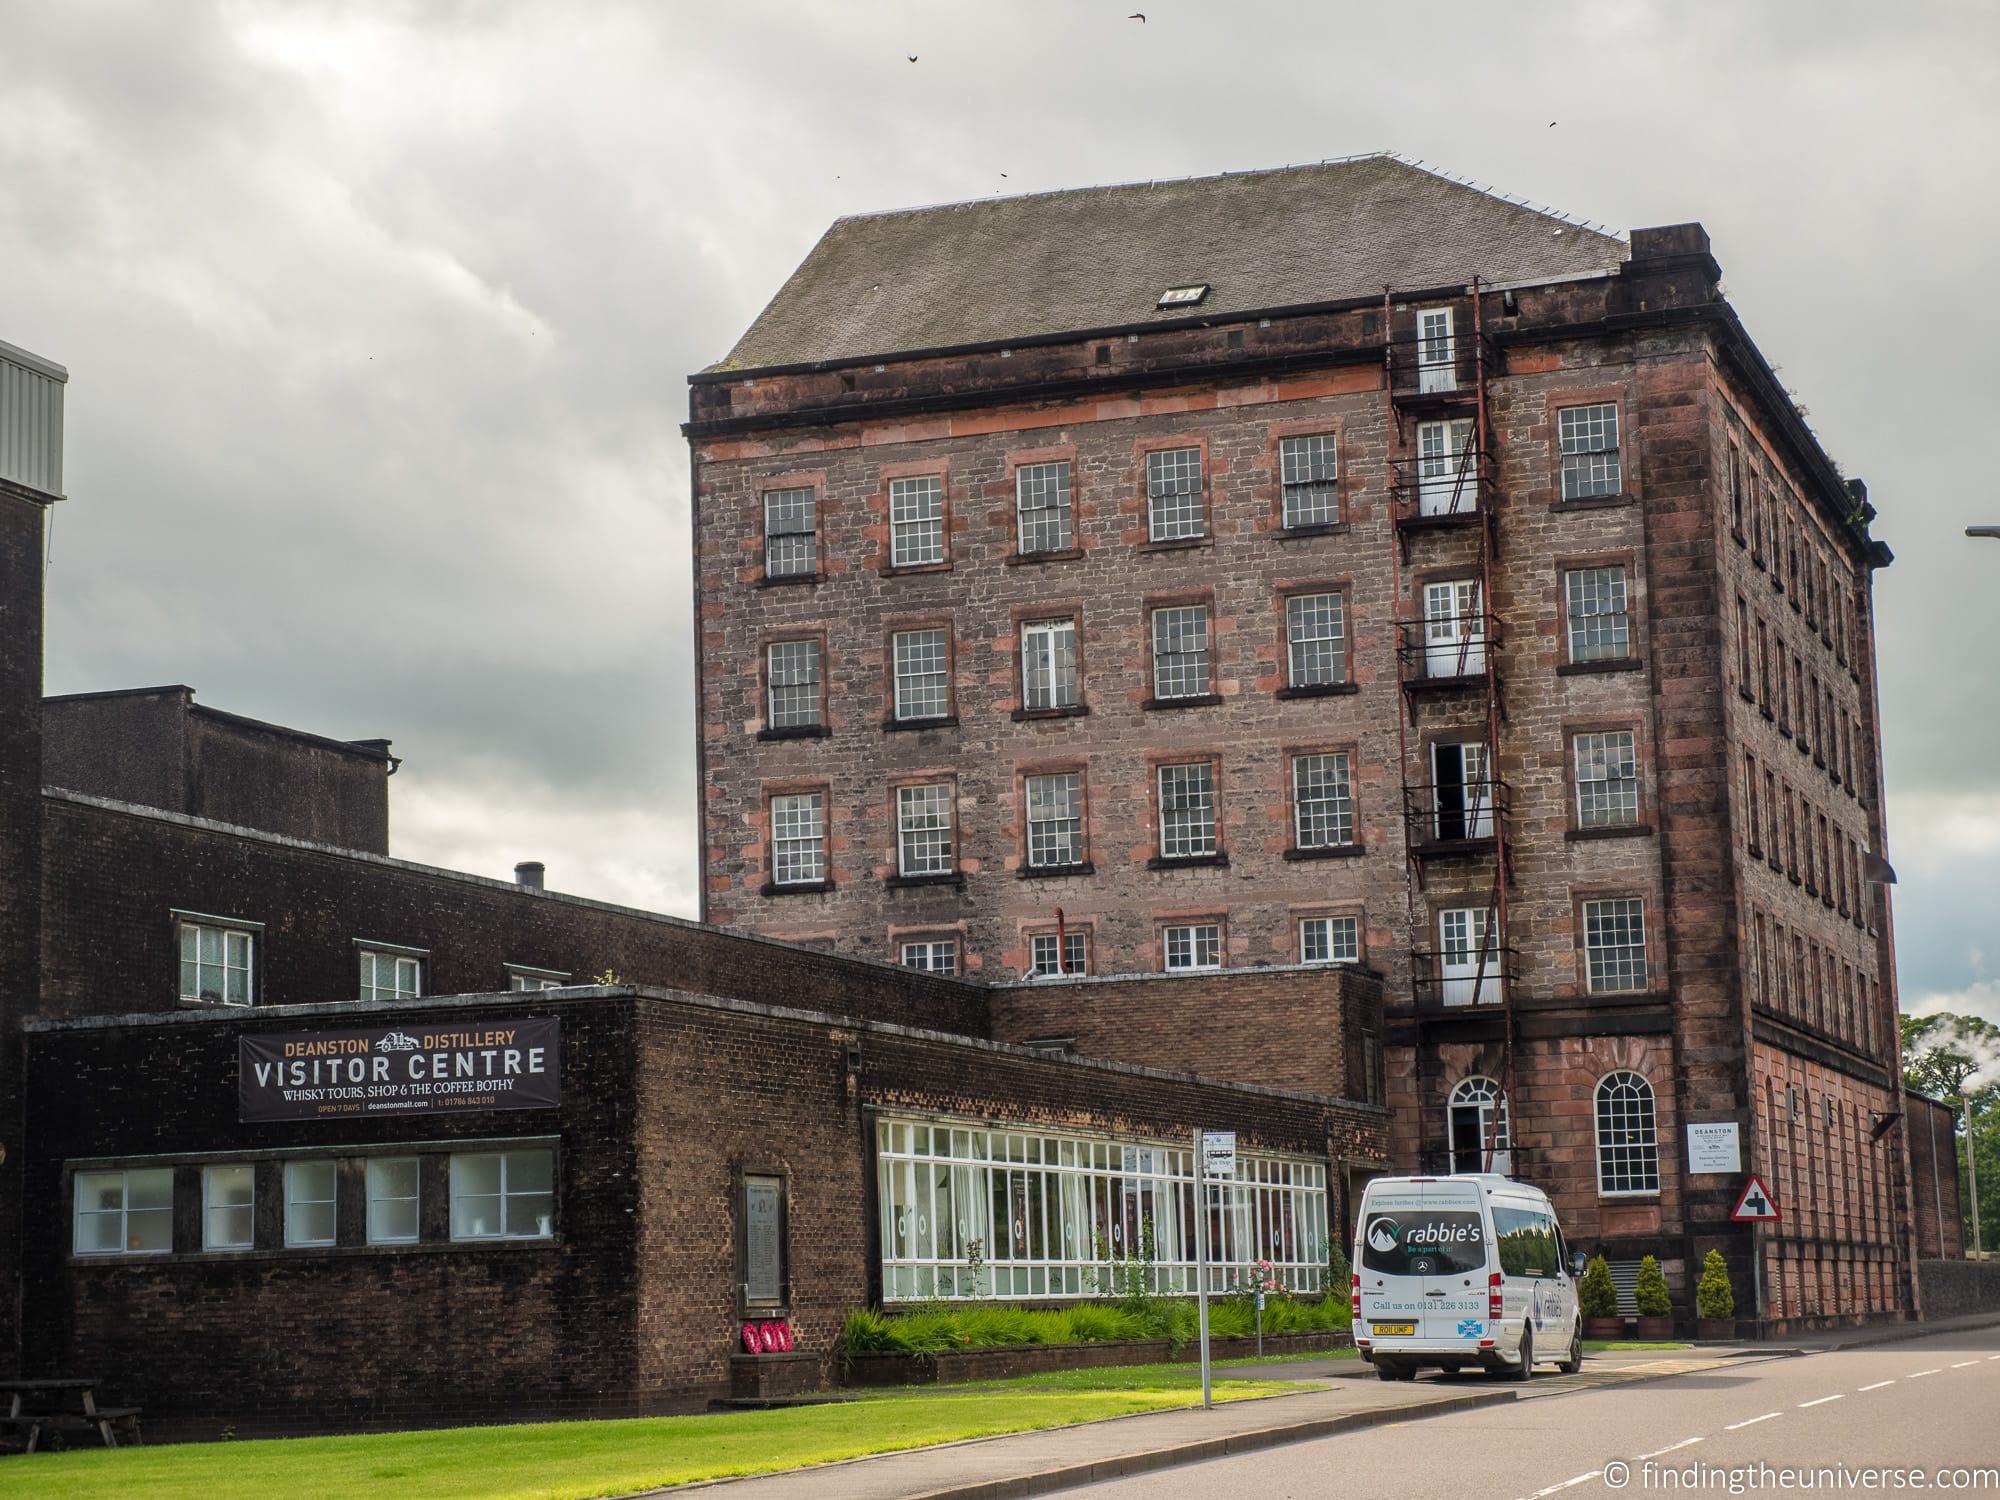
(31, 419)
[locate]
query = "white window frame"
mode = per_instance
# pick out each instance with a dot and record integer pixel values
(1190, 827)
(920, 660)
(1049, 676)
(793, 672)
(211, 1237)
(1598, 603)
(1316, 639)
(935, 955)
(1044, 508)
(1606, 767)
(1309, 480)
(376, 1168)
(1592, 467)
(1483, 1093)
(1331, 824)
(1334, 939)
(1191, 947)
(503, 1198)
(526, 978)
(785, 504)
(917, 521)
(1601, 922)
(1625, 1111)
(926, 829)
(1054, 819)
(1042, 949)
(798, 825)
(403, 964)
(154, 1178)
(1437, 350)
(1176, 500)
(236, 954)
(1183, 652)
(295, 1200)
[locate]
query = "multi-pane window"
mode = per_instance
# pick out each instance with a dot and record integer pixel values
(791, 542)
(1045, 1210)
(1588, 438)
(1180, 652)
(215, 963)
(124, 1213)
(535, 980)
(931, 955)
(393, 1196)
(1614, 945)
(1045, 947)
(1042, 504)
(228, 1208)
(391, 976)
(1192, 945)
(798, 838)
(1187, 811)
(1309, 471)
(1628, 1145)
(1055, 820)
(1315, 640)
(503, 1195)
(1173, 495)
(1600, 624)
(1048, 664)
(1607, 779)
(923, 673)
(311, 1199)
(791, 670)
(916, 521)
(923, 829)
(1330, 940)
(1322, 801)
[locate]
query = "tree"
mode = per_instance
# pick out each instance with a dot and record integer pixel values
(1655, 1298)
(1713, 1295)
(1956, 1058)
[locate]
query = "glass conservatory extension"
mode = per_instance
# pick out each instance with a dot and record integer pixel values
(968, 1210)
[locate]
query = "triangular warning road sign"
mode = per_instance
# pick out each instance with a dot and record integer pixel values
(1755, 1205)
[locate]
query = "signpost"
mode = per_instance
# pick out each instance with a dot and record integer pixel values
(1755, 1205)
(1214, 1152)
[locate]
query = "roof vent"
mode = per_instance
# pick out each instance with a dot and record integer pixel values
(528, 874)
(1183, 296)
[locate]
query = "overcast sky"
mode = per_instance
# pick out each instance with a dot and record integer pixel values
(378, 322)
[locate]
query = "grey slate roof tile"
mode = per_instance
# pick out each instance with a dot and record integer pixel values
(1003, 269)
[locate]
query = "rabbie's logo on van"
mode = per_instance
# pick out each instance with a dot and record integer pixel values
(1385, 1235)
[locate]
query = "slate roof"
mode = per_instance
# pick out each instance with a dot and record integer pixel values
(1005, 269)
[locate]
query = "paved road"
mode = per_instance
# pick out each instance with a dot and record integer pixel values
(1927, 1403)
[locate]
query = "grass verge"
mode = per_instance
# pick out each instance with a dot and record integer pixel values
(583, 1460)
(1621, 1346)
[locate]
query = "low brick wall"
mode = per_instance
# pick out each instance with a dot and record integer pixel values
(957, 1366)
(1953, 1288)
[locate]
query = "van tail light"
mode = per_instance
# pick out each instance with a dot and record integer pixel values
(1355, 1303)
(1493, 1302)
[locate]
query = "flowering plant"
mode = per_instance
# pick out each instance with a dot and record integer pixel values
(1258, 1276)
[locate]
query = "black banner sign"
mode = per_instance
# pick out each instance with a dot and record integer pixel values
(433, 1068)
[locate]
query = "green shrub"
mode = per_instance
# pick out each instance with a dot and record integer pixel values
(1339, 1274)
(1596, 1296)
(1093, 1322)
(867, 1331)
(1713, 1296)
(1655, 1301)
(1175, 1321)
(1230, 1319)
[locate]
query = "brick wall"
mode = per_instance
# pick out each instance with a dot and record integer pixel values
(1287, 1028)
(665, 1100)
(1937, 1216)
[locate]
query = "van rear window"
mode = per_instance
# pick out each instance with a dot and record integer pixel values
(1423, 1242)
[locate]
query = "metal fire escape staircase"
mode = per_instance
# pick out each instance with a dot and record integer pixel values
(1437, 359)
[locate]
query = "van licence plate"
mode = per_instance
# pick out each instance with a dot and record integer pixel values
(1395, 1330)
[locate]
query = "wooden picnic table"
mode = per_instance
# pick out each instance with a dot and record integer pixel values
(36, 1406)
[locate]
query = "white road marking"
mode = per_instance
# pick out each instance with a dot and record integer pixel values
(1581, 1478)
(1753, 1421)
(1877, 1385)
(1671, 1448)
(1964, 1363)
(1821, 1402)
(1922, 1373)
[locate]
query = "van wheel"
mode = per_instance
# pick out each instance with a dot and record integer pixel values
(1527, 1365)
(1394, 1372)
(1574, 1363)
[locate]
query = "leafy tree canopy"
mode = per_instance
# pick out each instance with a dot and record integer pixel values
(1952, 1057)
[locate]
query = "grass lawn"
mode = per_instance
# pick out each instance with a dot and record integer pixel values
(1620, 1346)
(572, 1460)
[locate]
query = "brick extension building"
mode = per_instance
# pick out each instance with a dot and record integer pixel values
(1333, 564)
(725, 1127)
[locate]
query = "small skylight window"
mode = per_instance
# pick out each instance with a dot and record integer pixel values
(1183, 296)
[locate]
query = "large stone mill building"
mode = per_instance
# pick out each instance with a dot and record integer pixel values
(1336, 565)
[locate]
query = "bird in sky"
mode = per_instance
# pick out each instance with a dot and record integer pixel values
(913, 57)
(1139, 16)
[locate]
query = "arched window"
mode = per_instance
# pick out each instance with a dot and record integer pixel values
(1628, 1142)
(1471, 1114)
